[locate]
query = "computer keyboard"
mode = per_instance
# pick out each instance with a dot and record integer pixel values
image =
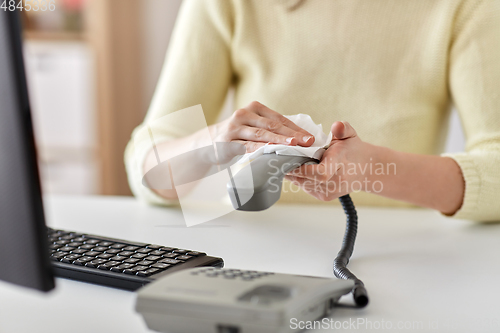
(118, 263)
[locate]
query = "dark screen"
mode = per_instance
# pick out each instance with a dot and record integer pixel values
(24, 258)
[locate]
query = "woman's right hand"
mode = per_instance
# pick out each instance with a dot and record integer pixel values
(256, 125)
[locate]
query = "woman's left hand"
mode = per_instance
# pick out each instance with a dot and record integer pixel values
(344, 167)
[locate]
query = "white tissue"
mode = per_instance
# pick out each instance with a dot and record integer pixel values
(322, 141)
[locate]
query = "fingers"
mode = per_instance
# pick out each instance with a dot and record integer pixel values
(298, 181)
(321, 191)
(261, 135)
(266, 112)
(264, 117)
(342, 130)
(278, 127)
(258, 123)
(306, 185)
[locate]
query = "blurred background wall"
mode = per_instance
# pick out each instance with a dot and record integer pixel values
(92, 68)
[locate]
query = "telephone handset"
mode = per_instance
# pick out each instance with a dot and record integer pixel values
(258, 185)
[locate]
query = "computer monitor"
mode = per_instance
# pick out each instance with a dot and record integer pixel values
(24, 255)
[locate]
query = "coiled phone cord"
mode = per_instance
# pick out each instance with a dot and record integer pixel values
(340, 263)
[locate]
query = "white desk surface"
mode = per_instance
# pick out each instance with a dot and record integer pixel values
(423, 272)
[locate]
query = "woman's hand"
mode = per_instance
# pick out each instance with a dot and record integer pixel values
(351, 165)
(256, 125)
(342, 167)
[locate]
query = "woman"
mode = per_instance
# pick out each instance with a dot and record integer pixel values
(388, 69)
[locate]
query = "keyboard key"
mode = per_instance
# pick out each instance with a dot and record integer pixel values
(132, 260)
(181, 251)
(75, 244)
(66, 237)
(121, 267)
(125, 266)
(145, 263)
(79, 251)
(139, 255)
(72, 256)
(62, 242)
(148, 272)
(184, 257)
(168, 249)
(134, 270)
(144, 250)
(81, 261)
(66, 248)
(79, 239)
(92, 253)
(117, 246)
(106, 244)
(55, 246)
(154, 247)
(152, 271)
(118, 258)
(114, 263)
(108, 265)
(160, 266)
(87, 247)
(105, 255)
(140, 268)
(170, 261)
(196, 253)
(59, 254)
(96, 262)
(100, 248)
(66, 260)
(153, 258)
(170, 255)
(126, 253)
(113, 251)
(157, 252)
(91, 241)
(130, 248)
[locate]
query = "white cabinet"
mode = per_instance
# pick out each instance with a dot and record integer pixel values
(61, 89)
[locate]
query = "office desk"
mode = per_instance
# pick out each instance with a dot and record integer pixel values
(422, 271)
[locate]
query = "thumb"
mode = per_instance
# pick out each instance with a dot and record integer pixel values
(342, 130)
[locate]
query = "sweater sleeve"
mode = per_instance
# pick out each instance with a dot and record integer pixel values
(474, 78)
(197, 70)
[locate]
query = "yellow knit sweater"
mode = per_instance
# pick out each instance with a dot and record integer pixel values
(391, 68)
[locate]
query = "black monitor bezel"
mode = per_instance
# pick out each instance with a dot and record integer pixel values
(41, 273)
